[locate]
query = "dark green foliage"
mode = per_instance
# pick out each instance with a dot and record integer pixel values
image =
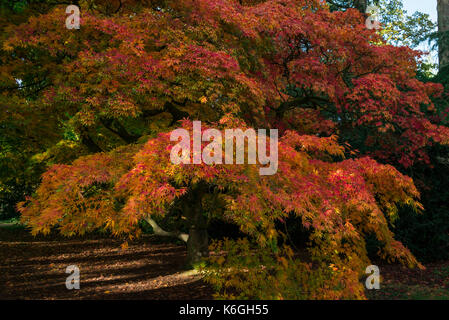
(427, 234)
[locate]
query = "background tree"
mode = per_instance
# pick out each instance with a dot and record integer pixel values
(443, 28)
(428, 235)
(398, 27)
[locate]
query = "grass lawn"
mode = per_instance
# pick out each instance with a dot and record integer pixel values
(399, 283)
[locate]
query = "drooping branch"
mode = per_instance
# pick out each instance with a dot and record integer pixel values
(161, 232)
(169, 107)
(176, 113)
(88, 141)
(298, 102)
(117, 128)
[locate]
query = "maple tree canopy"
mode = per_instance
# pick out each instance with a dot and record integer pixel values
(124, 80)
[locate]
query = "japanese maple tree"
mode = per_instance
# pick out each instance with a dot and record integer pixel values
(339, 202)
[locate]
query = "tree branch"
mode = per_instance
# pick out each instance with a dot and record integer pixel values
(88, 141)
(291, 104)
(118, 130)
(161, 232)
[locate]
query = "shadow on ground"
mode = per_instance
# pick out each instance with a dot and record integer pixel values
(34, 268)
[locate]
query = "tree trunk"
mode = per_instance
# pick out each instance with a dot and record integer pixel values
(198, 242)
(198, 239)
(197, 245)
(443, 29)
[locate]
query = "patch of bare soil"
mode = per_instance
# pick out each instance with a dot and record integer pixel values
(34, 268)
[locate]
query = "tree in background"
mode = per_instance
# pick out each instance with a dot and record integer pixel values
(428, 235)
(443, 28)
(398, 28)
(29, 133)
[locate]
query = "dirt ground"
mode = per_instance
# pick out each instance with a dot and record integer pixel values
(34, 268)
